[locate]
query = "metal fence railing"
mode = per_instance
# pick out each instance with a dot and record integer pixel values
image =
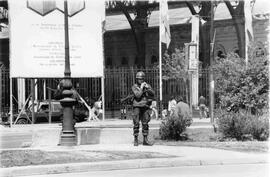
(118, 82)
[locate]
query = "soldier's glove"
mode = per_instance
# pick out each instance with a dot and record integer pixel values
(143, 85)
(147, 86)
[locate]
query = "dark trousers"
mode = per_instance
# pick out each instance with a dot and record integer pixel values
(141, 114)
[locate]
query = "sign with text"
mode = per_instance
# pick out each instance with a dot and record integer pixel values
(192, 55)
(37, 38)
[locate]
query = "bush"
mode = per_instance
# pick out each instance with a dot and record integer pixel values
(240, 86)
(243, 125)
(172, 128)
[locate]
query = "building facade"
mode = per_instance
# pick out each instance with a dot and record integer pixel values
(120, 53)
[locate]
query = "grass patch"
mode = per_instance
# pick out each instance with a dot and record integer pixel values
(10, 158)
(202, 134)
(245, 146)
(207, 138)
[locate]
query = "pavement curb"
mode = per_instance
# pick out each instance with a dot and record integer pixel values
(120, 165)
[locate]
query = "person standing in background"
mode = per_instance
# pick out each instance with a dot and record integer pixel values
(171, 105)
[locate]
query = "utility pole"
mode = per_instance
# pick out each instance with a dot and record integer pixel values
(211, 78)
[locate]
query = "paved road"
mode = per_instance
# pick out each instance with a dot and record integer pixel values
(245, 170)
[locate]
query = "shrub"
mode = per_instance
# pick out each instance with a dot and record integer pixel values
(242, 86)
(243, 125)
(173, 127)
(260, 127)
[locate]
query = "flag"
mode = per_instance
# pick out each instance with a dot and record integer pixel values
(165, 35)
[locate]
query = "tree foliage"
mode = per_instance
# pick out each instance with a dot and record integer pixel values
(242, 86)
(174, 66)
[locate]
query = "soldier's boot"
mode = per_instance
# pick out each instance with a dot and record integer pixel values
(146, 141)
(136, 142)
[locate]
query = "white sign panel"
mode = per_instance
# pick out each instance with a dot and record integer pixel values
(193, 60)
(37, 38)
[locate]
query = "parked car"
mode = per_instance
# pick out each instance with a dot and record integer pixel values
(41, 113)
(4, 117)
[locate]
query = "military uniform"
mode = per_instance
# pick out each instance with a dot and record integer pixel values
(143, 97)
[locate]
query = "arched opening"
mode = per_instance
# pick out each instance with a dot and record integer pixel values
(237, 51)
(154, 59)
(124, 61)
(136, 61)
(220, 51)
(220, 54)
(108, 62)
(259, 50)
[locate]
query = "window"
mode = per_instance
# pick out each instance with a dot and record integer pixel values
(236, 51)
(57, 107)
(136, 60)
(259, 52)
(220, 51)
(44, 107)
(154, 59)
(124, 61)
(220, 54)
(108, 61)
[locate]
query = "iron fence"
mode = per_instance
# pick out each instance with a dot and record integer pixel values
(118, 83)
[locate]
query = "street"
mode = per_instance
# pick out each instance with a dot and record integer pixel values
(245, 170)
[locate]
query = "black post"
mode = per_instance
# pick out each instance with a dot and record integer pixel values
(211, 78)
(68, 137)
(33, 99)
(1, 94)
(50, 106)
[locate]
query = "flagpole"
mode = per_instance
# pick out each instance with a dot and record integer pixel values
(10, 97)
(103, 20)
(211, 77)
(160, 65)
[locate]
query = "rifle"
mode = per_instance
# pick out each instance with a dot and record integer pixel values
(130, 97)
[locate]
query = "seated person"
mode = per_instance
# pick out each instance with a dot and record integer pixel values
(154, 109)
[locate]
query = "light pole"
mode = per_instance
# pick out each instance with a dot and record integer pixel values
(43, 8)
(68, 137)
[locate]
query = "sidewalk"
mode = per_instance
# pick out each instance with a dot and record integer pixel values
(177, 156)
(109, 131)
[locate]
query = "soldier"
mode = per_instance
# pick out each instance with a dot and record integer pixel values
(143, 96)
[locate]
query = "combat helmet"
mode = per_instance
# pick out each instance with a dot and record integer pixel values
(140, 75)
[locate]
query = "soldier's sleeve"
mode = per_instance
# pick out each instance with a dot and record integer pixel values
(137, 91)
(150, 91)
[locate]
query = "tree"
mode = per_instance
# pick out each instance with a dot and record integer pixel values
(142, 11)
(238, 17)
(175, 66)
